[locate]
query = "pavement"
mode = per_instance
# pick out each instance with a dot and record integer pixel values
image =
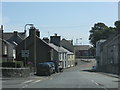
(111, 75)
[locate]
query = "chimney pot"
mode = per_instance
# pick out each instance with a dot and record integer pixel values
(55, 34)
(15, 33)
(1, 27)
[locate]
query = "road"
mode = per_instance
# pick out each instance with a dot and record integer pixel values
(75, 77)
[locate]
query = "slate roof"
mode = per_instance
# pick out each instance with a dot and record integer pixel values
(82, 47)
(67, 44)
(8, 35)
(5, 41)
(15, 39)
(68, 52)
(59, 49)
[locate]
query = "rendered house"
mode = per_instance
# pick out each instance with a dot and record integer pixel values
(64, 48)
(70, 58)
(69, 48)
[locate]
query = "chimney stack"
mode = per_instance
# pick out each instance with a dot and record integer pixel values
(32, 31)
(38, 32)
(1, 32)
(46, 39)
(15, 33)
(55, 39)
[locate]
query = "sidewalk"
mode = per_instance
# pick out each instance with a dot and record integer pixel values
(111, 75)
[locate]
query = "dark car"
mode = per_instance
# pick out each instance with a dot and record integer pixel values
(44, 69)
(52, 66)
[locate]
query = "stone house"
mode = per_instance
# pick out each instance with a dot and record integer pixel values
(33, 48)
(7, 50)
(109, 55)
(98, 49)
(36, 50)
(9, 40)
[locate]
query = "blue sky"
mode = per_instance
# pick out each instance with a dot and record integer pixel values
(71, 20)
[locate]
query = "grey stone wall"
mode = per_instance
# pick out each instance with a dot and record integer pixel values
(15, 72)
(109, 55)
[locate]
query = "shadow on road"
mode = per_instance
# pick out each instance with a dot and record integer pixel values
(89, 70)
(116, 81)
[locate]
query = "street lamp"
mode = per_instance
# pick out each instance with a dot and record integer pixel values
(25, 42)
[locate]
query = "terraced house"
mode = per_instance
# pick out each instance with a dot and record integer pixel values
(38, 50)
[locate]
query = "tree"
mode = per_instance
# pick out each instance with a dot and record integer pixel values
(117, 25)
(100, 31)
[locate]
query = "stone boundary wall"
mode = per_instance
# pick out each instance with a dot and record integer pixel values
(15, 72)
(114, 69)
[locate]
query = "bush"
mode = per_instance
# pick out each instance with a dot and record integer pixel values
(17, 64)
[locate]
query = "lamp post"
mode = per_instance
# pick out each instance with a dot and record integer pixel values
(25, 42)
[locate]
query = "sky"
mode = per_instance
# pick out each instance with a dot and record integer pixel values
(70, 20)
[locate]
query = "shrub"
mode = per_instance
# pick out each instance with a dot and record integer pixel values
(17, 64)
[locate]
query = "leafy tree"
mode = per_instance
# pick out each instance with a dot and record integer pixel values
(117, 25)
(100, 31)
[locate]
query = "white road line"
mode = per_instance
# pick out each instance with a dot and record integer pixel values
(94, 82)
(37, 81)
(27, 81)
(98, 84)
(25, 86)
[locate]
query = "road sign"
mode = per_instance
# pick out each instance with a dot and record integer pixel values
(25, 53)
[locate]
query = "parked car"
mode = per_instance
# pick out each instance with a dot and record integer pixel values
(44, 69)
(94, 68)
(52, 66)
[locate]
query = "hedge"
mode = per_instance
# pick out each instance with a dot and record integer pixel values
(17, 64)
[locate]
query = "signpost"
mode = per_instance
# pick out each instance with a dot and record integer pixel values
(25, 53)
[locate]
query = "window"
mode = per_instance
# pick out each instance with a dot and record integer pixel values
(5, 50)
(62, 55)
(14, 53)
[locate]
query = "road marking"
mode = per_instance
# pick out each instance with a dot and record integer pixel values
(25, 86)
(37, 81)
(99, 84)
(27, 81)
(94, 82)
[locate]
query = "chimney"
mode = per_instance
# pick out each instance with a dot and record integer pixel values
(46, 39)
(32, 31)
(1, 32)
(15, 33)
(55, 39)
(38, 32)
